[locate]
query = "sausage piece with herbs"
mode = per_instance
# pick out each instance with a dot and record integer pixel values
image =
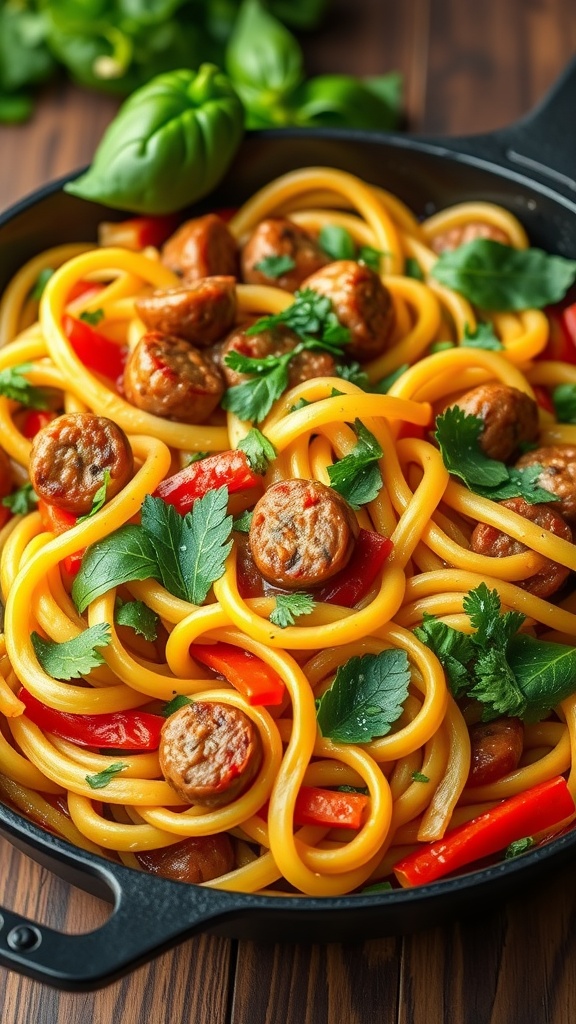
(362, 304)
(487, 540)
(209, 753)
(201, 313)
(274, 341)
(302, 533)
(558, 475)
(510, 418)
(496, 749)
(202, 247)
(70, 456)
(168, 377)
(461, 234)
(278, 238)
(195, 860)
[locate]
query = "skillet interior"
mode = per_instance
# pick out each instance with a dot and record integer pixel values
(151, 913)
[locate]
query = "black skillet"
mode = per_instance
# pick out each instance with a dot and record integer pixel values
(529, 168)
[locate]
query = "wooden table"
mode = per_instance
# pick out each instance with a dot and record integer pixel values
(469, 65)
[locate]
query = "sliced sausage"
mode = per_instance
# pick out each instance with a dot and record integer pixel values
(201, 247)
(168, 377)
(209, 753)
(70, 456)
(6, 480)
(510, 417)
(302, 533)
(361, 303)
(558, 475)
(201, 313)
(275, 341)
(487, 540)
(496, 749)
(195, 860)
(278, 236)
(453, 238)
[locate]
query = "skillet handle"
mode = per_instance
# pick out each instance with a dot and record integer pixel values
(147, 919)
(541, 145)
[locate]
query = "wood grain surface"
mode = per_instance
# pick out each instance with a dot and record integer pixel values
(469, 65)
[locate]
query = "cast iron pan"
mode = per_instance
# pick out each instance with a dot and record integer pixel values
(529, 168)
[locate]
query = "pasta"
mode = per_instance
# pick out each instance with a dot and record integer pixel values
(414, 775)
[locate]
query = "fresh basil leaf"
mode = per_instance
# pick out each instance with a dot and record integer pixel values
(92, 317)
(104, 778)
(125, 555)
(177, 702)
(73, 658)
(496, 276)
(564, 400)
(262, 56)
(365, 698)
(342, 100)
(15, 108)
(22, 500)
(24, 57)
(357, 476)
(302, 14)
(289, 607)
(337, 242)
(169, 145)
(482, 337)
(546, 673)
(275, 266)
(138, 616)
(259, 451)
(16, 386)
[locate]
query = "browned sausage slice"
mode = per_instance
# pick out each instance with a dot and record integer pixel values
(275, 341)
(278, 236)
(361, 303)
(70, 456)
(558, 475)
(510, 417)
(209, 753)
(166, 376)
(201, 313)
(201, 247)
(487, 540)
(6, 479)
(302, 533)
(453, 238)
(195, 860)
(496, 749)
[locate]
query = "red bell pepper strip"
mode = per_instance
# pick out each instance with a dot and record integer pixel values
(542, 396)
(35, 420)
(82, 289)
(118, 730)
(349, 585)
(230, 469)
(327, 807)
(536, 809)
(57, 521)
(247, 673)
(93, 349)
(561, 344)
(138, 232)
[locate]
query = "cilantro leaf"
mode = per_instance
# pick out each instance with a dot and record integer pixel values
(22, 500)
(138, 616)
(458, 436)
(564, 399)
(73, 658)
(99, 499)
(259, 451)
(337, 242)
(496, 686)
(125, 555)
(413, 269)
(243, 522)
(354, 373)
(454, 650)
(275, 266)
(518, 846)
(41, 282)
(177, 702)
(382, 387)
(14, 385)
(357, 476)
(365, 698)
(483, 337)
(103, 778)
(289, 606)
(309, 315)
(492, 628)
(92, 317)
(496, 276)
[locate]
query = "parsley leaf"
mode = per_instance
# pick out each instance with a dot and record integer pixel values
(518, 846)
(353, 789)
(357, 476)
(419, 777)
(458, 436)
(138, 616)
(196, 457)
(92, 317)
(483, 609)
(564, 399)
(125, 555)
(73, 658)
(354, 373)
(385, 383)
(371, 257)
(483, 337)
(275, 266)
(309, 315)
(99, 499)
(258, 450)
(14, 385)
(177, 702)
(413, 269)
(337, 242)
(289, 606)
(243, 522)
(496, 276)
(41, 282)
(103, 778)
(253, 399)
(300, 404)
(365, 698)
(454, 650)
(22, 500)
